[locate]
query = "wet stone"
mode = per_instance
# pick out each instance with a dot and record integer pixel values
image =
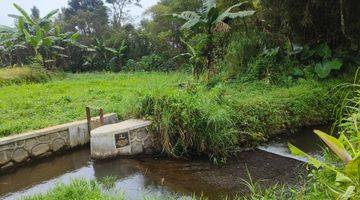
(20, 155)
(20, 143)
(7, 147)
(136, 147)
(7, 166)
(40, 149)
(4, 158)
(44, 138)
(58, 144)
(30, 143)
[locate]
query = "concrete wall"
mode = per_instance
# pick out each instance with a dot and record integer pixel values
(18, 149)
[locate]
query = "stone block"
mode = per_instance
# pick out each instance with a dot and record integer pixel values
(7, 166)
(44, 138)
(20, 155)
(124, 138)
(58, 144)
(40, 149)
(30, 143)
(4, 157)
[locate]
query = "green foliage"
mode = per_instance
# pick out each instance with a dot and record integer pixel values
(323, 69)
(39, 35)
(195, 59)
(243, 48)
(17, 75)
(108, 182)
(347, 176)
(77, 189)
(153, 62)
(192, 118)
(210, 21)
(315, 22)
(217, 121)
(271, 66)
(64, 100)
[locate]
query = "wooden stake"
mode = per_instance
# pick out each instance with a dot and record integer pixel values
(88, 118)
(101, 117)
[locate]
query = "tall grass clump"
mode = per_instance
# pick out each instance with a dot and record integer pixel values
(337, 175)
(18, 75)
(220, 120)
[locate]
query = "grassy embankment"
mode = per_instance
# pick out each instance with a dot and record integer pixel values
(190, 117)
(17, 75)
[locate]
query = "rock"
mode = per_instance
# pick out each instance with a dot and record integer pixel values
(20, 155)
(7, 166)
(4, 158)
(58, 144)
(40, 149)
(124, 138)
(30, 143)
(44, 138)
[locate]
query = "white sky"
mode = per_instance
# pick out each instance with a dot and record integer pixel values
(45, 6)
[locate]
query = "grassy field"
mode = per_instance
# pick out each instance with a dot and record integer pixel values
(192, 117)
(33, 106)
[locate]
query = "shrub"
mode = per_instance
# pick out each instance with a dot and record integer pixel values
(153, 62)
(243, 48)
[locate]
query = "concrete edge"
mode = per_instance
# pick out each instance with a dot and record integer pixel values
(145, 124)
(45, 131)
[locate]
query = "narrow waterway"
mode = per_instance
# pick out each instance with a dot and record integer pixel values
(156, 177)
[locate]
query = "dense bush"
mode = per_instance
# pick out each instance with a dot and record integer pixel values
(312, 22)
(243, 48)
(153, 62)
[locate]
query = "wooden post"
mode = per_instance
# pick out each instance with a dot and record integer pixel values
(101, 117)
(88, 118)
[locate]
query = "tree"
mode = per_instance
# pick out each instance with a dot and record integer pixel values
(88, 17)
(35, 13)
(41, 36)
(119, 12)
(209, 21)
(10, 45)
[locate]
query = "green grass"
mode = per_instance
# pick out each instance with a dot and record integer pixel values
(192, 118)
(217, 121)
(81, 189)
(76, 190)
(33, 106)
(17, 75)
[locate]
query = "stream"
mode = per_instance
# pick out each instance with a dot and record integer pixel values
(159, 176)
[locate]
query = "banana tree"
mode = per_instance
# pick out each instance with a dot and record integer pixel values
(10, 44)
(45, 39)
(209, 21)
(195, 59)
(117, 56)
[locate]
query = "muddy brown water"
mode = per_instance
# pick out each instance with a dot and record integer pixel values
(159, 176)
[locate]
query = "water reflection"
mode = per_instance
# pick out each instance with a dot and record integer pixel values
(151, 176)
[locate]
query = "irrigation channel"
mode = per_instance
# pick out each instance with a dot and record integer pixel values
(158, 176)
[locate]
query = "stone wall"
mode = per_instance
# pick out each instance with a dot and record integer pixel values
(21, 148)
